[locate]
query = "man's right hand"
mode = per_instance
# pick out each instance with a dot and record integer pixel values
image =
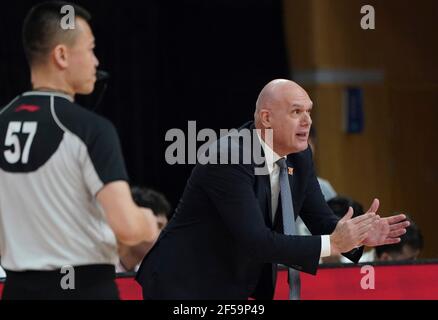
(349, 233)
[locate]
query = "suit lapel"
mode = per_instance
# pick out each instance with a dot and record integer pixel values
(264, 198)
(264, 185)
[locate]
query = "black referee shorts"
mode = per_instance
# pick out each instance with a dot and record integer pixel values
(91, 282)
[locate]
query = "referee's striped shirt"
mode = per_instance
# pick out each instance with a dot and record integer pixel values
(54, 158)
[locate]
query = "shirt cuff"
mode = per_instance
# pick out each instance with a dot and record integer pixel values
(325, 246)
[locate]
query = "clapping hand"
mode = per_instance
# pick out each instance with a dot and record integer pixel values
(385, 230)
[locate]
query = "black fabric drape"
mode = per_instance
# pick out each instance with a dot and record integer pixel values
(170, 62)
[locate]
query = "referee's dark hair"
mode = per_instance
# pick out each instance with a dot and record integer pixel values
(42, 29)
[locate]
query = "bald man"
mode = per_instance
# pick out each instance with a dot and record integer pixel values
(226, 237)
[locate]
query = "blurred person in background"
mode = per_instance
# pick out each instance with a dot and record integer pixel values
(408, 249)
(131, 256)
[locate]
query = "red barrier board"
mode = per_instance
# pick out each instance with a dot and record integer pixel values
(390, 282)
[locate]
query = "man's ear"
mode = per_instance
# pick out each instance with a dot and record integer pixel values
(60, 56)
(265, 118)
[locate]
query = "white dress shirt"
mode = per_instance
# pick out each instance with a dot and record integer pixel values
(2, 273)
(274, 176)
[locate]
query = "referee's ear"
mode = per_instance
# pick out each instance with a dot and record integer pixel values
(60, 56)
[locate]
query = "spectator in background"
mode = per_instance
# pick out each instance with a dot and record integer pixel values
(340, 205)
(408, 248)
(154, 200)
(130, 256)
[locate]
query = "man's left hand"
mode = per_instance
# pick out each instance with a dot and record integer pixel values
(385, 230)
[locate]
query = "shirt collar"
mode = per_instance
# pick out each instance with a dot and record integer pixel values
(48, 93)
(271, 157)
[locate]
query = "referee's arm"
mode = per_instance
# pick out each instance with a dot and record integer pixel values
(130, 223)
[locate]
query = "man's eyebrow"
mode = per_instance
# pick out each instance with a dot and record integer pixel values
(299, 105)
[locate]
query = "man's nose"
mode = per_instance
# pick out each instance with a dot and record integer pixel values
(307, 119)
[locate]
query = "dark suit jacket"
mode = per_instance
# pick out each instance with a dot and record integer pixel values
(221, 242)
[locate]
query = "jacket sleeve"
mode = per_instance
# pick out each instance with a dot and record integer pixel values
(230, 189)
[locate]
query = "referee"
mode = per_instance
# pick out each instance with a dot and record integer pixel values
(64, 197)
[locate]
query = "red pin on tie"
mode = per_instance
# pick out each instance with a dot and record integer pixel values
(290, 171)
